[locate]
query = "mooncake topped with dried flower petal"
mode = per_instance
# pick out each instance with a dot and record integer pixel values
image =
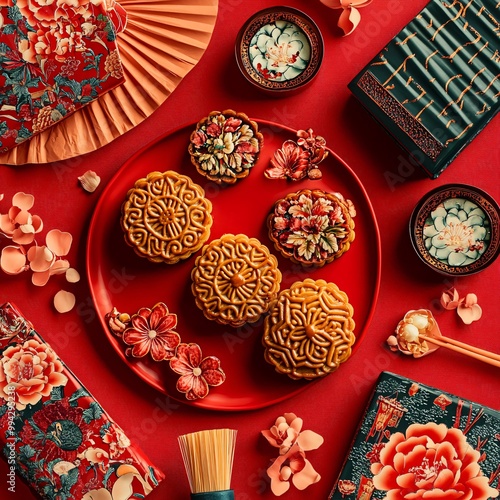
(312, 227)
(166, 217)
(235, 279)
(309, 330)
(225, 146)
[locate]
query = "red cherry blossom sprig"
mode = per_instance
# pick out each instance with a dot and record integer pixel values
(152, 331)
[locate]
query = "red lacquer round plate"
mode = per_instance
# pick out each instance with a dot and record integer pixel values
(119, 278)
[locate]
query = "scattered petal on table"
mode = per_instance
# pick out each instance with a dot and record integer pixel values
(469, 310)
(72, 275)
(64, 301)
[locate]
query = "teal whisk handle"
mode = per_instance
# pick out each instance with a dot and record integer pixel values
(214, 495)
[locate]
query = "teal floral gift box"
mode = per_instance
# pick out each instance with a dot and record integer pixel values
(53, 433)
(417, 442)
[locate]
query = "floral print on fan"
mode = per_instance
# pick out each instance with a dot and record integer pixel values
(55, 58)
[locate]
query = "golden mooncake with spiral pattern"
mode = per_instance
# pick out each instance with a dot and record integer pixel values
(166, 217)
(235, 279)
(309, 330)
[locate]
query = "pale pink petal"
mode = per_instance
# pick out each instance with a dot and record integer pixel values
(13, 260)
(59, 267)
(1, 196)
(23, 217)
(470, 299)
(59, 242)
(64, 301)
(6, 225)
(469, 314)
(37, 223)
(309, 440)
(40, 279)
(23, 201)
(72, 275)
(41, 259)
(450, 299)
(23, 236)
(349, 20)
(305, 477)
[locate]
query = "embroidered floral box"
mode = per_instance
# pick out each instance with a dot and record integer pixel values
(53, 433)
(418, 442)
(435, 85)
(55, 57)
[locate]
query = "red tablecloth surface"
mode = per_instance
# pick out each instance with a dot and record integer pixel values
(334, 406)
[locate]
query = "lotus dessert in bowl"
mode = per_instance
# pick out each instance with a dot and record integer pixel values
(455, 229)
(279, 49)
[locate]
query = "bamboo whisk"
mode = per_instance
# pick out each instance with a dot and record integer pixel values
(208, 459)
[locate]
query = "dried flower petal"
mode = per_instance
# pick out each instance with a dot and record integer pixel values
(59, 242)
(89, 181)
(23, 201)
(41, 259)
(469, 310)
(72, 275)
(13, 260)
(64, 301)
(450, 299)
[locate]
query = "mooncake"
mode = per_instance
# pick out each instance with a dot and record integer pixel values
(309, 330)
(225, 146)
(311, 227)
(166, 217)
(235, 279)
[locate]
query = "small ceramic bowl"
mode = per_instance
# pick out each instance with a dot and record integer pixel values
(279, 49)
(455, 229)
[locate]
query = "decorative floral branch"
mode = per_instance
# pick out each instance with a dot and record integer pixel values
(152, 331)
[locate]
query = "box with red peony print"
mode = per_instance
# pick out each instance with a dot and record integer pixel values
(56, 435)
(416, 441)
(55, 57)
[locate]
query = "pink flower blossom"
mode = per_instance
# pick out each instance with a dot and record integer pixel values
(287, 431)
(450, 299)
(196, 373)
(293, 466)
(468, 309)
(350, 16)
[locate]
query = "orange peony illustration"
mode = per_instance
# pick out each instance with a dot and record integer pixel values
(431, 461)
(29, 371)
